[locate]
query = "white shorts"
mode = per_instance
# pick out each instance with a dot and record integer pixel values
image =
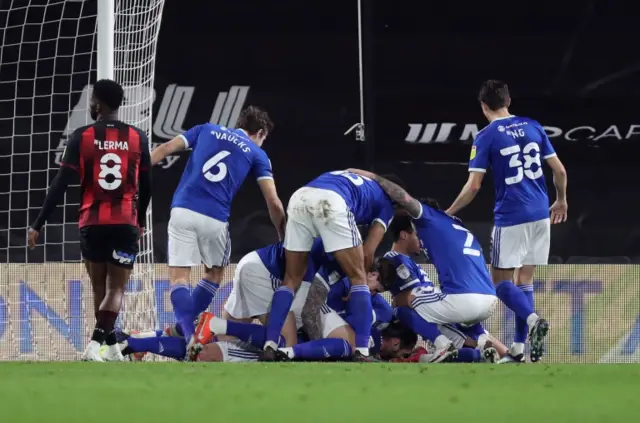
(526, 244)
(253, 288)
(330, 320)
(235, 352)
(315, 212)
(195, 238)
(469, 309)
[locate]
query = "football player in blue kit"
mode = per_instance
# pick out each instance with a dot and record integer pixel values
(409, 277)
(514, 147)
(258, 275)
(198, 230)
(330, 207)
(468, 296)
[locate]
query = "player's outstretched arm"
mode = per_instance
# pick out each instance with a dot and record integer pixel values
(559, 208)
(311, 314)
(395, 192)
(162, 151)
(467, 194)
(274, 205)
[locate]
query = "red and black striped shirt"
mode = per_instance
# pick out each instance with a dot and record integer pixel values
(109, 156)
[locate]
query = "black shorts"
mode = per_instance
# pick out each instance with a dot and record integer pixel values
(115, 244)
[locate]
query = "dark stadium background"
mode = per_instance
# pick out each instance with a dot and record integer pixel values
(569, 64)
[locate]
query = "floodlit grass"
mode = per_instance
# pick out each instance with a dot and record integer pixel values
(309, 392)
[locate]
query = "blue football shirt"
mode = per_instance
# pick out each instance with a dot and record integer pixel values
(409, 274)
(364, 197)
(273, 258)
(455, 253)
(514, 147)
(220, 161)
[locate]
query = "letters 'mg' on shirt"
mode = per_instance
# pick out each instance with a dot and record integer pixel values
(514, 148)
(220, 161)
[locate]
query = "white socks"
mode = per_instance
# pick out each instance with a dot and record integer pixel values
(218, 326)
(442, 342)
(531, 320)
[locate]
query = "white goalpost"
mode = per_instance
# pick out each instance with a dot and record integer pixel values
(52, 51)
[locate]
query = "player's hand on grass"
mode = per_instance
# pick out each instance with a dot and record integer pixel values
(32, 238)
(364, 173)
(558, 212)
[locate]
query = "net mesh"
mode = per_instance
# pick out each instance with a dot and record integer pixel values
(47, 64)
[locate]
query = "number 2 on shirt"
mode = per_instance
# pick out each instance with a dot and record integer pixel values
(468, 242)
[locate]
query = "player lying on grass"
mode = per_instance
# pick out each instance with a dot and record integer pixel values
(257, 276)
(337, 338)
(468, 294)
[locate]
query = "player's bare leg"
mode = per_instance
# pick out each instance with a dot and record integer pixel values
(296, 266)
(351, 261)
(98, 277)
(116, 283)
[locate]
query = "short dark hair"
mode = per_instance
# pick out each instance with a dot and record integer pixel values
(109, 92)
(495, 94)
(387, 271)
(253, 118)
(407, 337)
(431, 202)
(401, 222)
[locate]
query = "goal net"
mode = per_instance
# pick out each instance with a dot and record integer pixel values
(49, 57)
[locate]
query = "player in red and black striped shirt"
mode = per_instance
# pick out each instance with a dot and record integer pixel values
(113, 161)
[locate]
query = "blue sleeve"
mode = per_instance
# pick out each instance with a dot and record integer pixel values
(190, 137)
(546, 149)
(386, 212)
(262, 166)
(407, 274)
(479, 158)
(383, 310)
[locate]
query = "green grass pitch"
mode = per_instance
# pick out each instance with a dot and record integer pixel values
(309, 392)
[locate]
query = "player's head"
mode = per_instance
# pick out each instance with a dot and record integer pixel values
(381, 276)
(493, 96)
(256, 123)
(431, 202)
(403, 231)
(106, 98)
(397, 341)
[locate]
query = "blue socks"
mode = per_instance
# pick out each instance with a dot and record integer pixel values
(322, 349)
(166, 346)
(202, 295)
(522, 330)
(361, 311)
(469, 355)
(280, 306)
(253, 334)
(409, 317)
(183, 309)
(514, 298)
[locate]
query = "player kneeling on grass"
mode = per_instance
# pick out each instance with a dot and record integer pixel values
(223, 349)
(408, 281)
